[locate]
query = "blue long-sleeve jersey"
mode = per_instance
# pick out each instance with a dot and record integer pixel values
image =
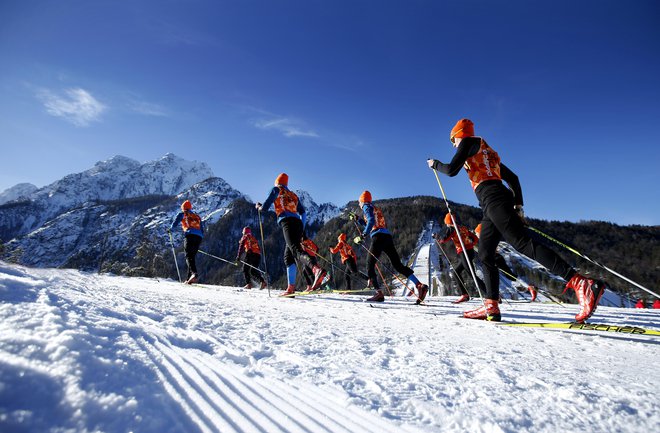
(177, 220)
(301, 213)
(368, 210)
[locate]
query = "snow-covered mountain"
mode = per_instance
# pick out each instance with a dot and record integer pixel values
(20, 191)
(106, 213)
(317, 213)
(114, 179)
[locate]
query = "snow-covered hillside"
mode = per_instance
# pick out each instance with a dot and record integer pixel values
(85, 352)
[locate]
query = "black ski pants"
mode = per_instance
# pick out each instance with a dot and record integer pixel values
(249, 272)
(383, 243)
(463, 266)
(500, 220)
(292, 229)
(191, 245)
(350, 269)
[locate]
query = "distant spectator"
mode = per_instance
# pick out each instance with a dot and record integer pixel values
(640, 304)
(656, 304)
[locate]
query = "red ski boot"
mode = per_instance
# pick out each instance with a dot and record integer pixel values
(463, 298)
(377, 297)
(532, 291)
(588, 292)
(489, 311)
(319, 275)
(290, 290)
(422, 290)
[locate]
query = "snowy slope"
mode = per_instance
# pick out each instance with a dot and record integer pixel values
(19, 191)
(84, 352)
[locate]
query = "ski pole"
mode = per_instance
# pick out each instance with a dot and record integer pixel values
(217, 258)
(174, 254)
(253, 267)
(230, 262)
(576, 252)
(263, 247)
(458, 235)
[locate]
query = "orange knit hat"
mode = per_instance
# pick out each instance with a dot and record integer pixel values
(448, 219)
(463, 128)
(282, 179)
(186, 205)
(365, 197)
(477, 229)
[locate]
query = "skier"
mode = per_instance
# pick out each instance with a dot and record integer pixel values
(469, 240)
(248, 244)
(381, 241)
(503, 217)
(348, 258)
(193, 230)
(291, 218)
(501, 264)
(312, 249)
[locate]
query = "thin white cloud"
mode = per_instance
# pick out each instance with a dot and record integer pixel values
(147, 108)
(294, 127)
(75, 105)
(288, 127)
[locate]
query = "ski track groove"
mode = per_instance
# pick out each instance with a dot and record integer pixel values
(199, 392)
(171, 386)
(215, 405)
(244, 393)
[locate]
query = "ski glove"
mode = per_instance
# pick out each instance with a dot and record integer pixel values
(358, 239)
(257, 206)
(433, 163)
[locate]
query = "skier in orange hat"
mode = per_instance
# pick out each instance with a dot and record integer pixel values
(503, 218)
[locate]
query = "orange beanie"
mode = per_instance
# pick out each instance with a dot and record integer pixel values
(463, 128)
(365, 197)
(282, 179)
(186, 205)
(448, 219)
(477, 229)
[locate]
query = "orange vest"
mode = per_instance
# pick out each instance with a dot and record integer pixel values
(469, 239)
(191, 221)
(483, 165)
(286, 201)
(345, 251)
(310, 247)
(379, 220)
(249, 244)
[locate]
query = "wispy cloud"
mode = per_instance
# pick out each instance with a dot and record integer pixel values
(74, 105)
(296, 127)
(147, 108)
(287, 126)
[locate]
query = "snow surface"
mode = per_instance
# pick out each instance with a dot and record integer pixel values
(82, 352)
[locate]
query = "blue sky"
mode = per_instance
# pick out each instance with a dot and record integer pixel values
(343, 95)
